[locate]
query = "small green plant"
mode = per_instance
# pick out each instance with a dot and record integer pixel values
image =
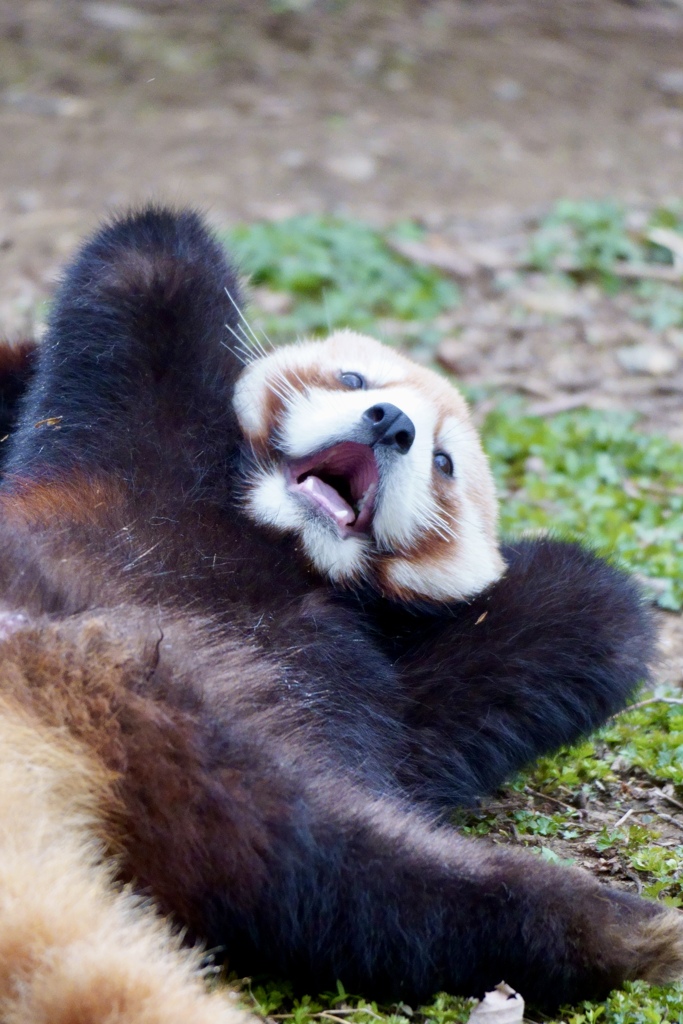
(650, 740)
(659, 304)
(591, 240)
(636, 1003)
(591, 476)
(590, 237)
(275, 1000)
(340, 273)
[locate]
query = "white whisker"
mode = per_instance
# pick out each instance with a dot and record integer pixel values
(252, 340)
(240, 356)
(260, 347)
(247, 350)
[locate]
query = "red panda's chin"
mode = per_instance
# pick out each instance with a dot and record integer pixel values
(340, 483)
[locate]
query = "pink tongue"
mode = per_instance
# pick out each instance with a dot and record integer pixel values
(329, 500)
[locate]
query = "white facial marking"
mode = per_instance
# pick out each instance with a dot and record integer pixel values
(471, 565)
(430, 535)
(268, 502)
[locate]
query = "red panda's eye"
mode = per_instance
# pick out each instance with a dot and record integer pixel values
(444, 463)
(353, 380)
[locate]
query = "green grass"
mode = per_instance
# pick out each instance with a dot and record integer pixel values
(340, 273)
(592, 240)
(592, 476)
(275, 1001)
(586, 474)
(645, 747)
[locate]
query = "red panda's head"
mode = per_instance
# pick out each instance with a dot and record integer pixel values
(374, 463)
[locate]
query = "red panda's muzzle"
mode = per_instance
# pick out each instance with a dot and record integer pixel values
(341, 482)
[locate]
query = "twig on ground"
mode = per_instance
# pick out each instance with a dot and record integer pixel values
(634, 878)
(624, 818)
(465, 264)
(655, 488)
(669, 799)
(565, 403)
(646, 703)
(336, 1014)
(551, 799)
(670, 818)
(495, 808)
(331, 1013)
(442, 257)
(639, 272)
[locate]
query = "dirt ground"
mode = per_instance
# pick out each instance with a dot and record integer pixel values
(471, 115)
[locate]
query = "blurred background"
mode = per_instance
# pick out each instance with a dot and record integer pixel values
(472, 117)
(535, 146)
(437, 109)
(382, 108)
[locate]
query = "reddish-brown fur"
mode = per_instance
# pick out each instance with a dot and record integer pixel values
(74, 500)
(94, 677)
(74, 947)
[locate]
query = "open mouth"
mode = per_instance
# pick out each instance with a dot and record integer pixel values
(341, 482)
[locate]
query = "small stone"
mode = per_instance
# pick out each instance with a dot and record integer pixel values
(118, 17)
(639, 793)
(507, 89)
(670, 81)
(602, 335)
(511, 151)
(356, 167)
(654, 360)
(294, 159)
(27, 200)
(73, 106)
(675, 337)
(397, 81)
(47, 106)
(487, 314)
(198, 121)
(556, 302)
(277, 108)
(366, 60)
(475, 337)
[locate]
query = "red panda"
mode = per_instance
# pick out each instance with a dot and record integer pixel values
(258, 635)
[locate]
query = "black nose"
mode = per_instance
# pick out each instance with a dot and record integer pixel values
(389, 426)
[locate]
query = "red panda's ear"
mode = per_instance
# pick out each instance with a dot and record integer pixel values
(74, 498)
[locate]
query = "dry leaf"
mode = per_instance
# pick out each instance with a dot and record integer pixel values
(435, 253)
(502, 1006)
